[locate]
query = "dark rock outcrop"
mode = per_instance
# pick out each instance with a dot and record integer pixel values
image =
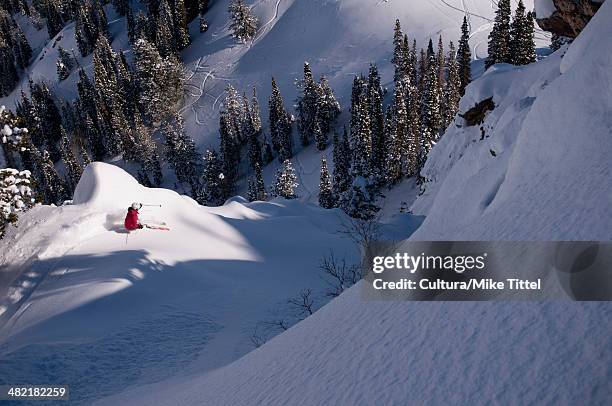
(570, 18)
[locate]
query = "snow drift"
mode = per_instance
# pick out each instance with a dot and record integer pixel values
(86, 303)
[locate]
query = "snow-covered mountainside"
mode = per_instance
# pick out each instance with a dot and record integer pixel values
(339, 38)
(541, 171)
(538, 167)
(103, 309)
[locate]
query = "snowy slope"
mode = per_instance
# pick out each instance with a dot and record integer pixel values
(550, 133)
(549, 180)
(101, 309)
(353, 352)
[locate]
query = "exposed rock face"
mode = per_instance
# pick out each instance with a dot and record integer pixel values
(570, 18)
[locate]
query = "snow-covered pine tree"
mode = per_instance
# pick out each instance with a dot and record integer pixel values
(406, 56)
(146, 150)
(286, 181)
(235, 114)
(109, 100)
(73, 167)
(255, 159)
(16, 196)
(45, 130)
(280, 124)
(230, 153)
(49, 183)
(212, 180)
(522, 45)
(131, 24)
(441, 64)
(499, 38)
(422, 71)
(65, 63)
(360, 201)
(255, 111)
(413, 108)
(244, 22)
(257, 188)
(431, 118)
(326, 194)
(452, 88)
(375, 95)
(359, 92)
(413, 63)
(362, 149)
(398, 59)
(53, 16)
(165, 40)
(342, 165)
(307, 105)
(143, 27)
(328, 108)
(464, 57)
(8, 72)
(397, 138)
(181, 152)
(180, 29)
(159, 81)
(320, 137)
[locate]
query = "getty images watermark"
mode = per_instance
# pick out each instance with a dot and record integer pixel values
(488, 270)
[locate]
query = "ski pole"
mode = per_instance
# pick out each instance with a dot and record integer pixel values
(151, 205)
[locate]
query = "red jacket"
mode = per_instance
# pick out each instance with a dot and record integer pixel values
(131, 220)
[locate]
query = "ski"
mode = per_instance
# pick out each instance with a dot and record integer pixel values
(160, 228)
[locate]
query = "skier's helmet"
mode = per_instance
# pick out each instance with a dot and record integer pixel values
(136, 206)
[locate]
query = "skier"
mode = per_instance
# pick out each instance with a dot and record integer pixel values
(131, 219)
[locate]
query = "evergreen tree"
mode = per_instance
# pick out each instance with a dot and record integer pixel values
(522, 46)
(431, 114)
(326, 195)
(441, 65)
(280, 124)
(53, 16)
(375, 95)
(8, 72)
(464, 57)
(397, 137)
(180, 29)
(557, 41)
(16, 195)
(244, 22)
(398, 52)
(146, 152)
(131, 24)
(320, 136)
(499, 38)
(257, 189)
(230, 153)
(328, 108)
(307, 105)
(164, 35)
(342, 164)
(212, 180)
(73, 168)
(65, 63)
(452, 88)
(362, 147)
(181, 152)
(46, 120)
(49, 183)
(286, 182)
(159, 81)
